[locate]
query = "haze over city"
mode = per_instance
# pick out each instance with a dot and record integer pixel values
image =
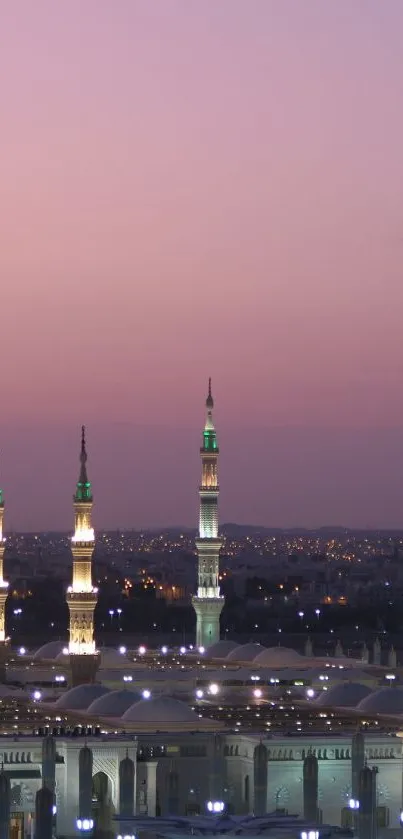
(202, 189)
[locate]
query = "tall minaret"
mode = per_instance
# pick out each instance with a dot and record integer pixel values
(3, 594)
(81, 595)
(208, 603)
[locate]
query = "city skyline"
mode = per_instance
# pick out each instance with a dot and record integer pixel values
(193, 190)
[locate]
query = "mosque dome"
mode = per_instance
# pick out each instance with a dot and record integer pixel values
(80, 697)
(163, 710)
(245, 652)
(114, 703)
(344, 695)
(277, 657)
(50, 650)
(386, 700)
(221, 649)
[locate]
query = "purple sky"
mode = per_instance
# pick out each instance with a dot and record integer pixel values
(202, 188)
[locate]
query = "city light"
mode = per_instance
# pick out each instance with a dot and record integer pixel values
(310, 693)
(146, 694)
(164, 650)
(310, 834)
(354, 804)
(122, 650)
(37, 694)
(54, 810)
(215, 806)
(213, 689)
(126, 836)
(65, 650)
(182, 650)
(142, 650)
(127, 678)
(257, 693)
(202, 650)
(22, 650)
(84, 824)
(60, 678)
(199, 694)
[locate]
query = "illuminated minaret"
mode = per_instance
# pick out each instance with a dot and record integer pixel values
(81, 595)
(3, 593)
(208, 603)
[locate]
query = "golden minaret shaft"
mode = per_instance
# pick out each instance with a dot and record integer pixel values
(208, 602)
(3, 584)
(81, 595)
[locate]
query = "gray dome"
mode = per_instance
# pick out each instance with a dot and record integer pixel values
(80, 697)
(344, 694)
(114, 703)
(277, 657)
(161, 710)
(221, 649)
(246, 652)
(387, 700)
(50, 650)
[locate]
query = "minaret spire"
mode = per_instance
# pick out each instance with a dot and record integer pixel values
(208, 602)
(82, 596)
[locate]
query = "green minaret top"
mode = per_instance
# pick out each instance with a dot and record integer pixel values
(209, 434)
(83, 492)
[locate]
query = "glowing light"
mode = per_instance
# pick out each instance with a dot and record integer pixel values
(37, 694)
(182, 650)
(200, 694)
(257, 693)
(60, 678)
(202, 650)
(54, 809)
(310, 693)
(127, 678)
(215, 806)
(354, 804)
(146, 694)
(81, 648)
(84, 534)
(22, 650)
(65, 651)
(142, 650)
(122, 650)
(164, 650)
(213, 689)
(84, 824)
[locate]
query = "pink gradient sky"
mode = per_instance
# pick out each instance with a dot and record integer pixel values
(202, 188)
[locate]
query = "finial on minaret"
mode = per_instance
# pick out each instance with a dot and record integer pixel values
(83, 487)
(209, 400)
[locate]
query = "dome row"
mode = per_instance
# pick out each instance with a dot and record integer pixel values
(128, 706)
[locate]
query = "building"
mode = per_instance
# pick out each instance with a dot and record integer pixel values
(208, 602)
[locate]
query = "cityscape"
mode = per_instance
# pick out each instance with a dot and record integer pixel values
(201, 501)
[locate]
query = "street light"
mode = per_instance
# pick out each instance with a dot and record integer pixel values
(354, 804)
(215, 806)
(84, 825)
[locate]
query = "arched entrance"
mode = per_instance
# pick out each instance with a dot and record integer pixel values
(102, 806)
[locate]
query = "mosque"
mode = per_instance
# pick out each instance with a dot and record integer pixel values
(217, 738)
